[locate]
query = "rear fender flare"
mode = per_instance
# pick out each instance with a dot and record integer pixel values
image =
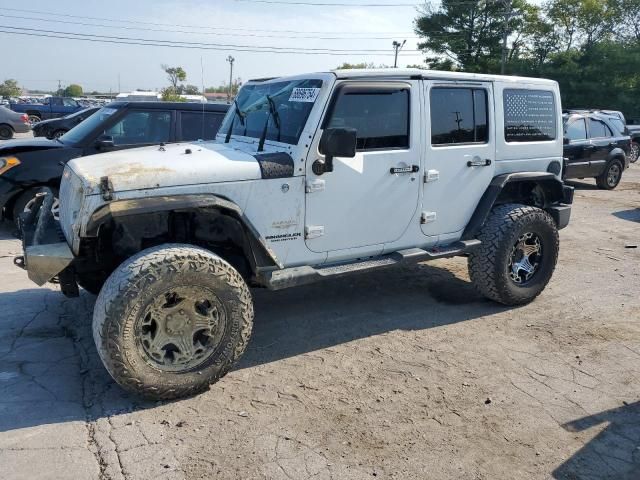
(555, 193)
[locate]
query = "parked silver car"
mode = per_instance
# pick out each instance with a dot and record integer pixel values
(12, 122)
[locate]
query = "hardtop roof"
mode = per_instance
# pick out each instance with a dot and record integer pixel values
(195, 107)
(406, 73)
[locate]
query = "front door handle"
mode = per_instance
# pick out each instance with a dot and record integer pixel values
(479, 163)
(411, 169)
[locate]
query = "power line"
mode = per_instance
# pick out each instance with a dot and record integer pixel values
(153, 43)
(268, 48)
(331, 4)
(233, 29)
(189, 32)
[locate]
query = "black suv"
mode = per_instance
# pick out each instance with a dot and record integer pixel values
(595, 146)
(26, 166)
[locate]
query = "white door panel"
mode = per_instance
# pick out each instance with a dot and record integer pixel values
(458, 152)
(362, 203)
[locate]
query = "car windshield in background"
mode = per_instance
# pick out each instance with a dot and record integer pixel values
(79, 132)
(78, 113)
(284, 105)
(619, 124)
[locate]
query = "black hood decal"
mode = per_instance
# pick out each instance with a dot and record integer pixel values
(275, 165)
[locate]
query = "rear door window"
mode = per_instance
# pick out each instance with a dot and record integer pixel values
(576, 130)
(199, 126)
(459, 116)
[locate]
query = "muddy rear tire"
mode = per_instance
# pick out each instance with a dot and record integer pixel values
(172, 320)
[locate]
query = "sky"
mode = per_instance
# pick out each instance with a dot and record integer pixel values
(39, 63)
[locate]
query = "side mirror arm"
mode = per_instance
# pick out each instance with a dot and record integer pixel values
(321, 167)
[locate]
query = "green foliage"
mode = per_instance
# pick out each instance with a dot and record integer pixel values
(190, 90)
(175, 75)
(73, 90)
(591, 47)
(10, 88)
(237, 83)
(169, 94)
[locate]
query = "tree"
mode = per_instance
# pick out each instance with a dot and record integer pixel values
(466, 36)
(170, 95)
(224, 88)
(10, 88)
(175, 75)
(73, 90)
(356, 66)
(190, 90)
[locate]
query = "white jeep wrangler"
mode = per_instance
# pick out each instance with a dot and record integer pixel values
(310, 177)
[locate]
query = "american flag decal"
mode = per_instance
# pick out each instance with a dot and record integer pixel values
(529, 115)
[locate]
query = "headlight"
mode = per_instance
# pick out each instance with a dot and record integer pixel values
(7, 163)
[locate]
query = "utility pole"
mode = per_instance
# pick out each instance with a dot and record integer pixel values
(505, 34)
(230, 59)
(59, 88)
(119, 89)
(397, 46)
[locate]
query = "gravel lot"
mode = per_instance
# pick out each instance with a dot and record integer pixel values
(405, 373)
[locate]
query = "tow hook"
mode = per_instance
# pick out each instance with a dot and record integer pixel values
(19, 262)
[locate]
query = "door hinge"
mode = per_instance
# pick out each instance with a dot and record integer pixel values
(431, 176)
(428, 217)
(313, 231)
(315, 186)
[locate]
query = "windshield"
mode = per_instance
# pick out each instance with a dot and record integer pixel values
(80, 131)
(79, 112)
(291, 101)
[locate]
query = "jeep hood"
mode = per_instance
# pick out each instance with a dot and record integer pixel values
(168, 166)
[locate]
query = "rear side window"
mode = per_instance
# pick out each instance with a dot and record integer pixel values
(459, 116)
(381, 118)
(141, 128)
(199, 126)
(529, 115)
(576, 130)
(598, 129)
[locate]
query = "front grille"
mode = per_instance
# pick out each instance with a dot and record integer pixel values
(70, 202)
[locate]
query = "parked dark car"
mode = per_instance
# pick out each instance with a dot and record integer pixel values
(596, 147)
(51, 107)
(26, 166)
(12, 122)
(56, 127)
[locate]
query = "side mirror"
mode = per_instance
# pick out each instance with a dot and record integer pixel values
(335, 142)
(566, 141)
(105, 142)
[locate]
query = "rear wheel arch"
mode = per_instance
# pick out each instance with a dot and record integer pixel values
(536, 189)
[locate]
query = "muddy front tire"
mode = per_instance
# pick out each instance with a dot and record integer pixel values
(172, 320)
(518, 255)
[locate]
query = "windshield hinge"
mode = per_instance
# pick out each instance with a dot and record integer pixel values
(106, 188)
(315, 186)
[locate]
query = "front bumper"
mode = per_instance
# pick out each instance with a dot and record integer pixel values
(47, 256)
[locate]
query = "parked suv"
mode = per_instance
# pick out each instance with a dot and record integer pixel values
(594, 146)
(311, 177)
(119, 126)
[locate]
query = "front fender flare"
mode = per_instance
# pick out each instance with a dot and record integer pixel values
(167, 203)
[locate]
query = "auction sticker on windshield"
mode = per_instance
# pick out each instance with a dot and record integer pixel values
(307, 95)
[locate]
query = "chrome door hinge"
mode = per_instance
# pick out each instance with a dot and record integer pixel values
(428, 217)
(431, 176)
(313, 231)
(315, 186)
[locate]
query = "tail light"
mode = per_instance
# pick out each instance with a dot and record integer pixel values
(25, 118)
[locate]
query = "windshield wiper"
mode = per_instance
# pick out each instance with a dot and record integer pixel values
(273, 113)
(237, 114)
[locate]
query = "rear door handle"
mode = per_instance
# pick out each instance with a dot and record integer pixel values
(479, 163)
(411, 169)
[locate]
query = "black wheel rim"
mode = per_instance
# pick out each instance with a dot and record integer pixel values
(181, 329)
(5, 133)
(525, 259)
(613, 175)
